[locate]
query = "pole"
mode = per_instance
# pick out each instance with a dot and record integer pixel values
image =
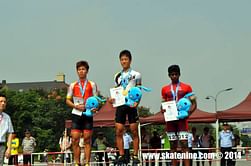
(140, 150)
(217, 120)
(65, 139)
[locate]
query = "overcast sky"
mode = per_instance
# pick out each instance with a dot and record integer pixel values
(210, 40)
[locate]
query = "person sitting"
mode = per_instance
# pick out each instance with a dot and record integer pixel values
(101, 144)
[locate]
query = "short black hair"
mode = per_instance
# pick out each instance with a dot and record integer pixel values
(2, 95)
(126, 53)
(174, 68)
(206, 129)
(82, 63)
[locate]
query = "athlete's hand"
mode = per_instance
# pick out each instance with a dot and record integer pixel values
(111, 100)
(95, 110)
(162, 110)
(80, 107)
(135, 104)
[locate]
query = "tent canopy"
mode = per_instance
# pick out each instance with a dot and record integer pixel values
(105, 116)
(198, 116)
(240, 112)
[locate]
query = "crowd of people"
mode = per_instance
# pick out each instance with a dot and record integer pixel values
(177, 136)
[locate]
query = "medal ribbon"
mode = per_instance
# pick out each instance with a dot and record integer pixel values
(125, 79)
(175, 95)
(82, 89)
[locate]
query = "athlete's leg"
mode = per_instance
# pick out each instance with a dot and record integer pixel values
(87, 143)
(184, 149)
(120, 119)
(75, 134)
(183, 136)
(134, 130)
(119, 138)
(171, 131)
(173, 148)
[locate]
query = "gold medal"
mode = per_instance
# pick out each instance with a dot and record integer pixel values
(124, 92)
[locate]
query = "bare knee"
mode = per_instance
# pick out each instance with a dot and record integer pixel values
(75, 141)
(134, 133)
(119, 132)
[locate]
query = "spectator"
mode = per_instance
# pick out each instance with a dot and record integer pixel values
(101, 143)
(145, 140)
(6, 129)
(166, 145)
(155, 143)
(226, 138)
(28, 144)
(44, 156)
(14, 150)
(65, 147)
(193, 142)
(127, 139)
(236, 143)
(206, 141)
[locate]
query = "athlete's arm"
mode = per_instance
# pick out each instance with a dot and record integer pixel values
(194, 104)
(69, 102)
(138, 83)
(80, 107)
(162, 100)
(193, 101)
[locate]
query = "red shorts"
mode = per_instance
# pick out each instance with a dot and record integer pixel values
(177, 130)
(176, 126)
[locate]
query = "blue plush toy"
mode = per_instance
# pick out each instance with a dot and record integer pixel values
(91, 104)
(183, 106)
(134, 95)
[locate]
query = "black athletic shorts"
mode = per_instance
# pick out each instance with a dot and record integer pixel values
(125, 111)
(82, 122)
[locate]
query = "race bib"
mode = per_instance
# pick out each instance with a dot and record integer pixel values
(183, 135)
(171, 136)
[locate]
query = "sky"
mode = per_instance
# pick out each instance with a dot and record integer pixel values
(209, 40)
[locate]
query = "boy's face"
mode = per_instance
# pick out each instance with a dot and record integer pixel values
(82, 72)
(27, 134)
(125, 62)
(2, 103)
(14, 135)
(225, 127)
(174, 76)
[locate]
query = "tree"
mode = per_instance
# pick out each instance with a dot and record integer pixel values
(144, 111)
(44, 116)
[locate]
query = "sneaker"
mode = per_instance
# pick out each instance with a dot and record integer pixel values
(87, 164)
(120, 161)
(135, 159)
(76, 164)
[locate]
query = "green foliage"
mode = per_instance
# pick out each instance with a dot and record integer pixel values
(246, 141)
(144, 111)
(44, 116)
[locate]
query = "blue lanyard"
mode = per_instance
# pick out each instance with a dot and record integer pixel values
(175, 95)
(82, 90)
(125, 79)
